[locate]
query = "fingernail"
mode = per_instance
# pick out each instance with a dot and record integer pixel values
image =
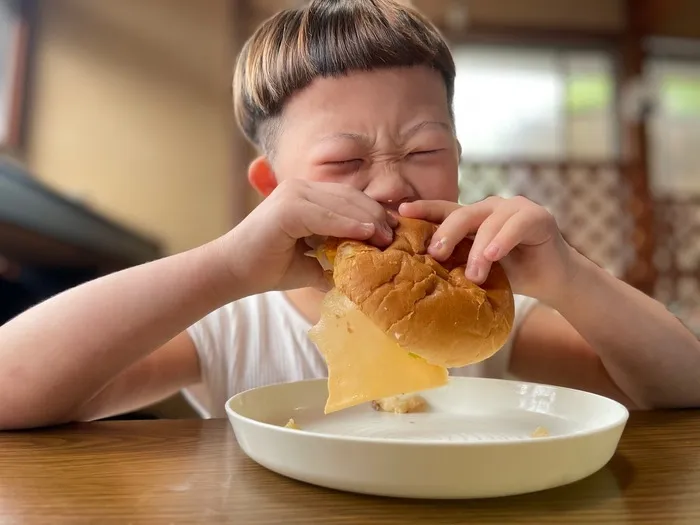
(492, 251)
(440, 244)
(368, 227)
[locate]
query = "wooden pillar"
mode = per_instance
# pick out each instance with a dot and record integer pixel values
(642, 273)
(22, 43)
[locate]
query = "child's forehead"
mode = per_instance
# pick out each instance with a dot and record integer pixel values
(358, 97)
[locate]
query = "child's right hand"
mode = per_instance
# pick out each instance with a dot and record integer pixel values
(266, 250)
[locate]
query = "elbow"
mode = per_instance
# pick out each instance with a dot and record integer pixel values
(14, 420)
(22, 412)
(666, 399)
(28, 404)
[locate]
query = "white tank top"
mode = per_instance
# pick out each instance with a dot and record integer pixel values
(262, 339)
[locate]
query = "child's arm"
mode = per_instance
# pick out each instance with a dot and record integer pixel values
(81, 354)
(61, 354)
(169, 369)
(610, 339)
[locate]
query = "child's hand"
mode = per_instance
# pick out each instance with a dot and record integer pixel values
(523, 236)
(267, 248)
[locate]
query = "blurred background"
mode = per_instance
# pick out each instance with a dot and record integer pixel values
(119, 145)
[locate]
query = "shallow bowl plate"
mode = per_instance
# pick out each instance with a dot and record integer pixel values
(475, 439)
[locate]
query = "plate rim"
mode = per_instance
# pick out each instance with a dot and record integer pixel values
(619, 423)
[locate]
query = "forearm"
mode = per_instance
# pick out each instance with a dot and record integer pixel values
(649, 354)
(61, 353)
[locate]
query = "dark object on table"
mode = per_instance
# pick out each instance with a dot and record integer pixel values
(49, 244)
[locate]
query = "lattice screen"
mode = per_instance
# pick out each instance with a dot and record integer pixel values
(678, 257)
(590, 204)
(593, 209)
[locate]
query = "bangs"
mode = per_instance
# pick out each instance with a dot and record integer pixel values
(330, 38)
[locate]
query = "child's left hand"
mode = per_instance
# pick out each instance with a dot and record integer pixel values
(521, 235)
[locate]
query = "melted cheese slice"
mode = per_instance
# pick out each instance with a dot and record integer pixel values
(365, 364)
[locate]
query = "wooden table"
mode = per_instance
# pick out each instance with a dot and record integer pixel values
(192, 471)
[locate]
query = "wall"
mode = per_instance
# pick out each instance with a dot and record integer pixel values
(595, 15)
(131, 112)
(675, 18)
(589, 15)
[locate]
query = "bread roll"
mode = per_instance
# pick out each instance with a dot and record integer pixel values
(431, 309)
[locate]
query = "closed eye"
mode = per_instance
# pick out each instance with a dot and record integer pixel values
(424, 152)
(344, 162)
(345, 166)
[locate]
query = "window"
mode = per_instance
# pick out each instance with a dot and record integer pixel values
(530, 105)
(534, 104)
(674, 127)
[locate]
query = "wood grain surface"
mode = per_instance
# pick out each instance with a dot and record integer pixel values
(192, 471)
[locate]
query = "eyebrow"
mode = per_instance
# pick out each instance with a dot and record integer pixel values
(425, 124)
(357, 137)
(364, 139)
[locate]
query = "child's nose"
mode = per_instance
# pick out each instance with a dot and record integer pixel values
(388, 187)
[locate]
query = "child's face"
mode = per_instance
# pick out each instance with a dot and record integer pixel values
(385, 132)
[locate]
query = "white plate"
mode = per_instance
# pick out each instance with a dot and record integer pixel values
(475, 440)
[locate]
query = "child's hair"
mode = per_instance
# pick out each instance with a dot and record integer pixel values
(329, 38)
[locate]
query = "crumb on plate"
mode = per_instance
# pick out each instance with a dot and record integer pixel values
(292, 424)
(540, 432)
(400, 404)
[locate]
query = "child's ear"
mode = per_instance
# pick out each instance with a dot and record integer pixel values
(261, 176)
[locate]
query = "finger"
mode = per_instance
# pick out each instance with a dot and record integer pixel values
(352, 203)
(517, 230)
(510, 236)
(344, 205)
(364, 201)
(457, 226)
(306, 218)
(433, 211)
(478, 264)
(393, 218)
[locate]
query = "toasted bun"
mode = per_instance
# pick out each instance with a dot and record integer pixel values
(430, 308)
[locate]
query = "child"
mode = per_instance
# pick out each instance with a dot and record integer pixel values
(349, 103)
